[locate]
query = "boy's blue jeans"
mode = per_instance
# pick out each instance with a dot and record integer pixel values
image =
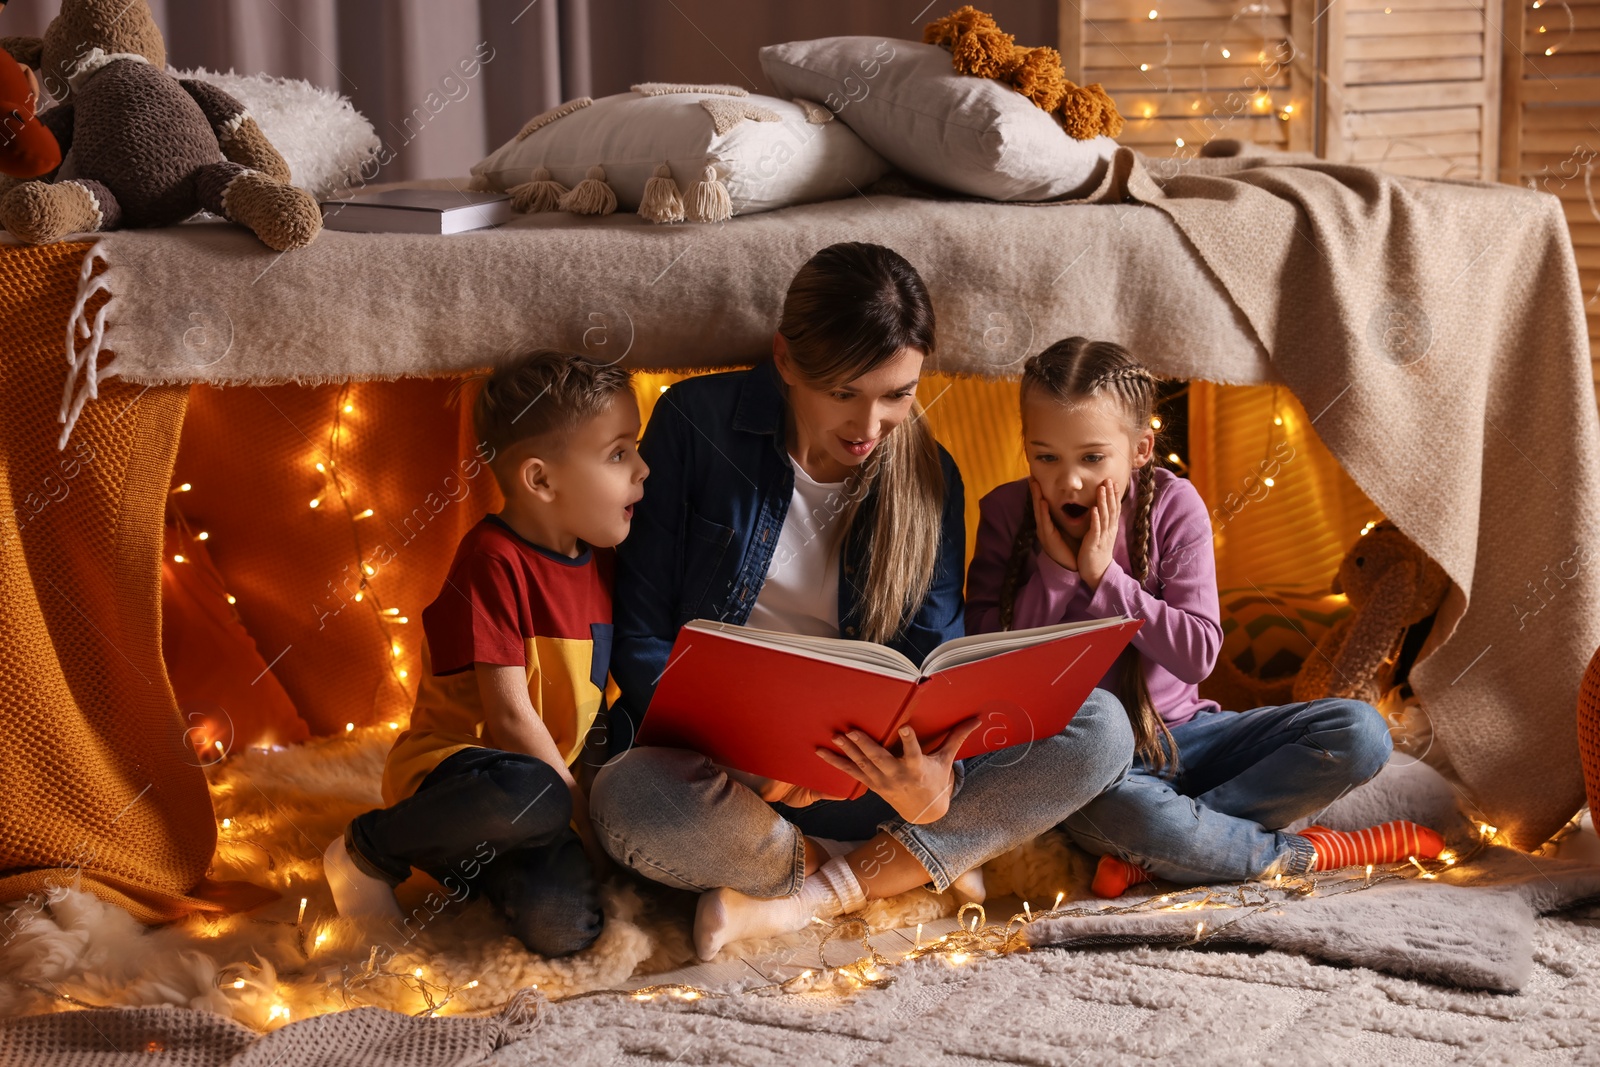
(1242, 776)
(676, 817)
(496, 823)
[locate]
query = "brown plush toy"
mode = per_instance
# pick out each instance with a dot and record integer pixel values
(979, 47)
(142, 147)
(1392, 585)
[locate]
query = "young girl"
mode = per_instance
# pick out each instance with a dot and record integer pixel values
(1097, 529)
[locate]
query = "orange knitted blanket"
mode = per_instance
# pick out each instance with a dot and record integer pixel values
(99, 782)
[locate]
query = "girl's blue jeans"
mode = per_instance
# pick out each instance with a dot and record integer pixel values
(676, 817)
(1242, 777)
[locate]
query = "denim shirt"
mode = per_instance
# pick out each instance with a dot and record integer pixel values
(703, 537)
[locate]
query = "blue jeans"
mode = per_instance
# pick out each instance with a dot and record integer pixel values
(497, 823)
(676, 817)
(1242, 776)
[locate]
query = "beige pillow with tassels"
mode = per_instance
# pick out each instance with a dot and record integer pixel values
(701, 153)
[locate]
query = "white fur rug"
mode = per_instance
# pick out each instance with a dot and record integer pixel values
(278, 966)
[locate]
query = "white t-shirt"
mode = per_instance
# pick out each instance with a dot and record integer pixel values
(801, 592)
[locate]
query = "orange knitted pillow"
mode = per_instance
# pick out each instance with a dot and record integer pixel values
(1589, 729)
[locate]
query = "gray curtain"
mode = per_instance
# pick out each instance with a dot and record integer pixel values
(445, 81)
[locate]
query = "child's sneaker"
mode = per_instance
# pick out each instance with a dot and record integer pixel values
(357, 894)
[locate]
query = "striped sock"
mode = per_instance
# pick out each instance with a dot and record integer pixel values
(1388, 842)
(1113, 877)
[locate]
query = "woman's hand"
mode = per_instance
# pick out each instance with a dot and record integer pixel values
(1050, 538)
(1094, 554)
(775, 792)
(917, 784)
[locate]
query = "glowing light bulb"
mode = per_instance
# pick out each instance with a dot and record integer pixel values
(403, 618)
(418, 972)
(403, 675)
(1153, 12)
(958, 958)
(391, 611)
(177, 559)
(394, 649)
(202, 536)
(359, 597)
(1059, 897)
(238, 983)
(184, 488)
(1269, 482)
(349, 727)
(1277, 420)
(394, 726)
(471, 985)
(365, 514)
(1179, 142)
(369, 569)
(320, 939)
(1144, 66)
(302, 915)
(1226, 53)
(1549, 51)
(1288, 109)
(348, 408)
(232, 599)
(663, 388)
(226, 823)
(321, 469)
(1172, 456)
(316, 502)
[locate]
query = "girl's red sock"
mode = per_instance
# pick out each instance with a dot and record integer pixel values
(1388, 842)
(1113, 877)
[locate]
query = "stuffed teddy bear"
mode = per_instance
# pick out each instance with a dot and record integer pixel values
(141, 147)
(979, 47)
(1392, 585)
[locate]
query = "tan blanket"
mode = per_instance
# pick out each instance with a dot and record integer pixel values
(1434, 330)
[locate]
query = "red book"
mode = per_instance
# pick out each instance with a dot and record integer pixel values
(763, 702)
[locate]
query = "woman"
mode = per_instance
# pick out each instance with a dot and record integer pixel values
(808, 495)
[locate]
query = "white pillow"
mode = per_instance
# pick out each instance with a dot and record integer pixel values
(324, 139)
(973, 135)
(770, 153)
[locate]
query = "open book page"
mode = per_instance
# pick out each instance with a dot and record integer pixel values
(865, 655)
(976, 647)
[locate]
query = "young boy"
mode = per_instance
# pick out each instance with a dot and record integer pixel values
(515, 659)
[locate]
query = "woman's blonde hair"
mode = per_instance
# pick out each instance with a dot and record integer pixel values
(851, 308)
(1073, 372)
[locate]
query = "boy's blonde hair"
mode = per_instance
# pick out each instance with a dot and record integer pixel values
(542, 396)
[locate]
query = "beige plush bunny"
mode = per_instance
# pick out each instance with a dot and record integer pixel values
(1392, 584)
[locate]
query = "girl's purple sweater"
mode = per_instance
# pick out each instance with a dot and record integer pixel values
(1182, 631)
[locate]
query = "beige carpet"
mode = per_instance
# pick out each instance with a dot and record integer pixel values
(204, 991)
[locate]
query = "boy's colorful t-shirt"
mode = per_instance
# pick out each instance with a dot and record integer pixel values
(508, 602)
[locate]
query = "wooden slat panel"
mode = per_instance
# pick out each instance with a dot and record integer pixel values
(1388, 71)
(1223, 31)
(1561, 39)
(1586, 234)
(1555, 19)
(1561, 141)
(1577, 209)
(1133, 10)
(1184, 80)
(1442, 44)
(1412, 5)
(1377, 24)
(1556, 117)
(1461, 167)
(1241, 59)
(1398, 97)
(1369, 124)
(1554, 90)
(1445, 145)
(1193, 131)
(1562, 65)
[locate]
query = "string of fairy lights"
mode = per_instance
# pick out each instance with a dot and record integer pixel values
(1216, 910)
(336, 495)
(1259, 100)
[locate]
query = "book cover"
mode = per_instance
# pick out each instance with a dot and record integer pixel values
(763, 703)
